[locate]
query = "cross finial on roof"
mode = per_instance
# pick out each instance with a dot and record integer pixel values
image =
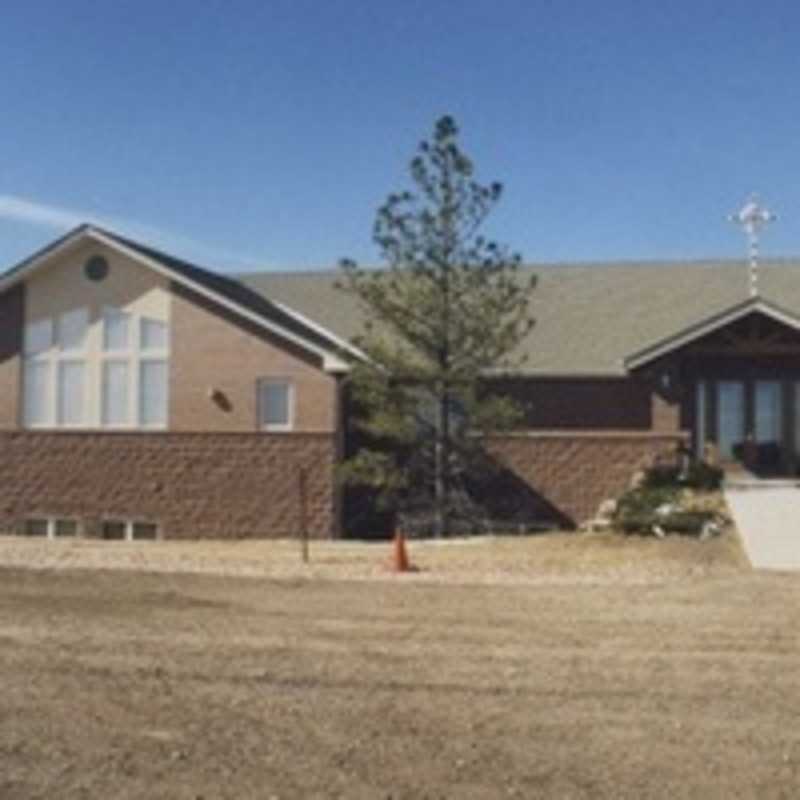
(752, 218)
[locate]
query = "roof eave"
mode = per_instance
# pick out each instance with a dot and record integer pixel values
(331, 362)
(710, 324)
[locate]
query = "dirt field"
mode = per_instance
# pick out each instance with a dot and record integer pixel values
(133, 685)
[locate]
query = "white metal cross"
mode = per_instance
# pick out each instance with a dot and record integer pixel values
(752, 218)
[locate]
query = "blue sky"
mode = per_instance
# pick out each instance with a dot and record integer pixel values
(266, 133)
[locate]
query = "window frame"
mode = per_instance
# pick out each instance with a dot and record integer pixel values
(134, 356)
(139, 399)
(129, 524)
(109, 312)
(126, 420)
(51, 527)
(43, 349)
(261, 384)
(58, 365)
(59, 328)
(49, 401)
(52, 357)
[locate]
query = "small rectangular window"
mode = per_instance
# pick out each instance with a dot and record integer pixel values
(116, 330)
(147, 531)
(36, 526)
(152, 334)
(37, 393)
(115, 530)
(153, 393)
(116, 411)
(71, 400)
(72, 327)
(66, 527)
(275, 404)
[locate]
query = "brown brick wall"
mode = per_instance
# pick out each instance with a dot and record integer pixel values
(212, 348)
(195, 485)
(568, 474)
(12, 314)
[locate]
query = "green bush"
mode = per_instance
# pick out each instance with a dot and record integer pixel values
(687, 523)
(662, 476)
(637, 512)
(704, 477)
(662, 485)
(644, 500)
(700, 476)
(637, 523)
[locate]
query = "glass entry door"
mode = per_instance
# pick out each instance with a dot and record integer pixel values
(769, 422)
(769, 413)
(730, 419)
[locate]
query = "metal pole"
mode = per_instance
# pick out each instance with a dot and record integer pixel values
(302, 486)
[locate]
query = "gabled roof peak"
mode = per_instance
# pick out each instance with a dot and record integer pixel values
(223, 290)
(713, 322)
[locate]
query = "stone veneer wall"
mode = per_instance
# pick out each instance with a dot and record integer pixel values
(570, 473)
(196, 485)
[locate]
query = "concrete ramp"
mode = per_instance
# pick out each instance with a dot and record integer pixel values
(767, 515)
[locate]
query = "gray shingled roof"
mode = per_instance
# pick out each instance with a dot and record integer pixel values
(589, 317)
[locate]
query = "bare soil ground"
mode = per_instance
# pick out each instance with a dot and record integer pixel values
(125, 684)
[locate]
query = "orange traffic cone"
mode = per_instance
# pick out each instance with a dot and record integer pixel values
(400, 562)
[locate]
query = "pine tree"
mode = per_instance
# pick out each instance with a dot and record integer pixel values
(449, 307)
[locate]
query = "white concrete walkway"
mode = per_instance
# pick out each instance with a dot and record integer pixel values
(768, 518)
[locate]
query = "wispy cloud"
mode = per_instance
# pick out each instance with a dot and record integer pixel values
(30, 212)
(21, 210)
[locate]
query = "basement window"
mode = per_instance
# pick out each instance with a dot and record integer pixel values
(65, 528)
(144, 530)
(51, 527)
(114, 530)
(37, 526)
(126, 530)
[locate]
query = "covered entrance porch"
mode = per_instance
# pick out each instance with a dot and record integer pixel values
(748, 419)
(737, 376)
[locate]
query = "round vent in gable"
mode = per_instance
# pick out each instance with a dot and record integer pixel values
(96, 268)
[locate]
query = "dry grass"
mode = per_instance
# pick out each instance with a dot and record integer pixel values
(130, 685)
(554, 557)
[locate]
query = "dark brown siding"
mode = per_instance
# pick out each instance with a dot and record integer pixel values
(12, 318)
(591, 404)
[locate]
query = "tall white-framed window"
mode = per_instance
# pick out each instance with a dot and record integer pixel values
(54, 380)
(116, 331)
(112, 372)
(115, 389)
(71, 393)
(38, 392)
(135, 371)
(153, 390)
(275, 404)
